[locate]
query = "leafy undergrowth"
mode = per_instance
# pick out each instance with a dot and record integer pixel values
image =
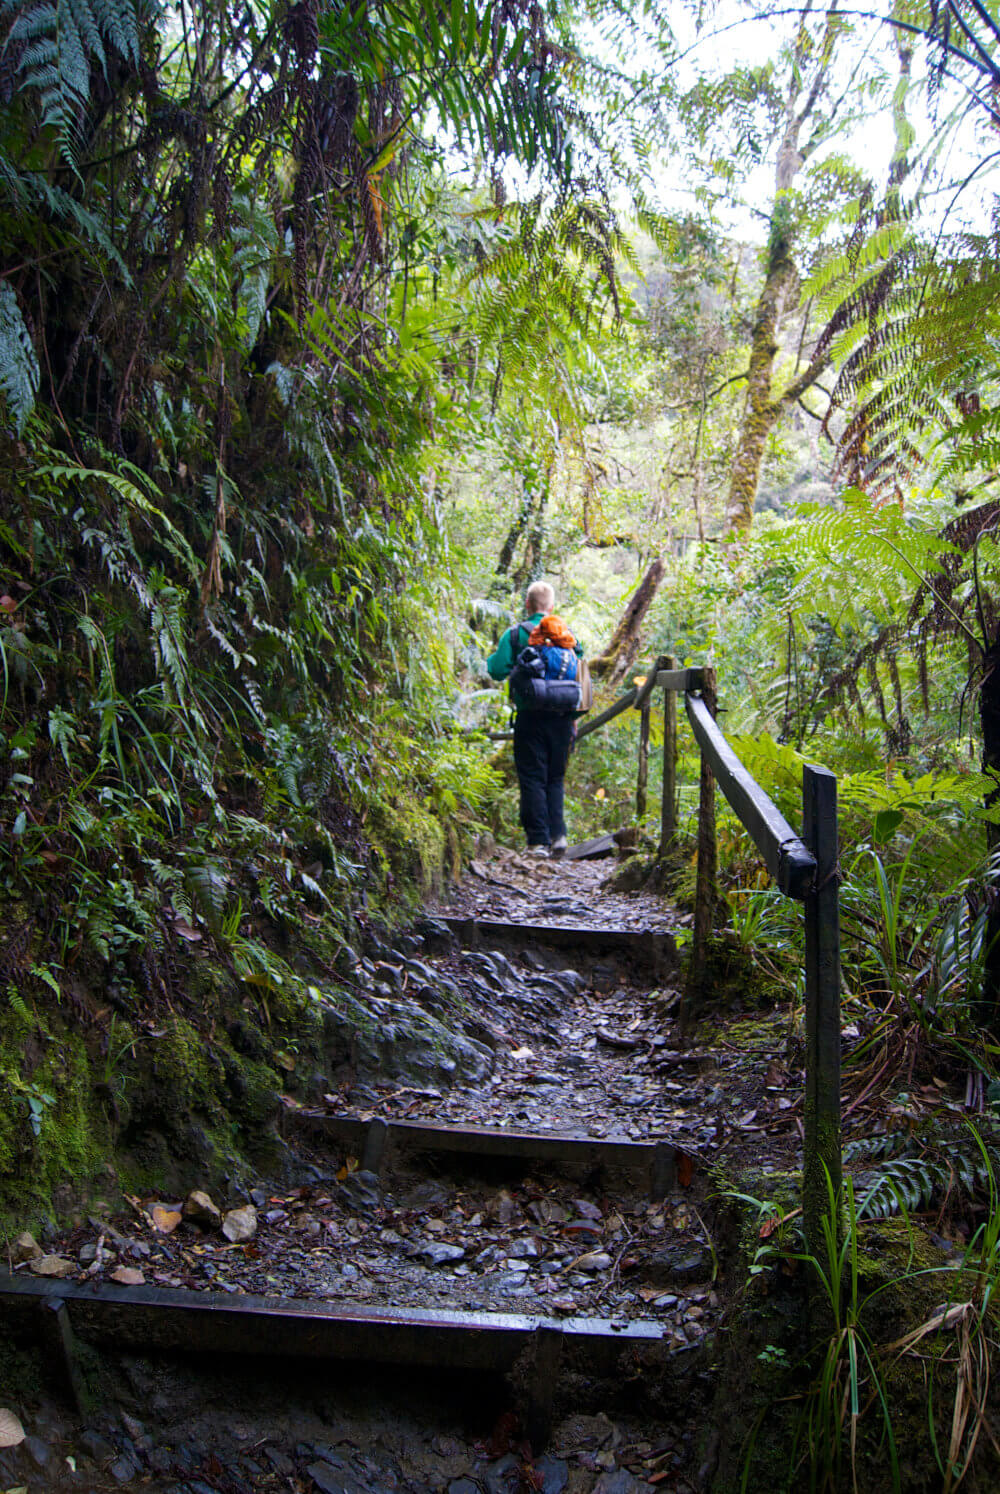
(193, 841)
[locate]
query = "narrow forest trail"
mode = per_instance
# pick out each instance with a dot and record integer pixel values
(532, 1198)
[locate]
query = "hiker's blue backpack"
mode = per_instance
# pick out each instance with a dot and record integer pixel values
(544, 678)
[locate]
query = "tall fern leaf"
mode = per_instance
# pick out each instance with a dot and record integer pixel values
(18, 363)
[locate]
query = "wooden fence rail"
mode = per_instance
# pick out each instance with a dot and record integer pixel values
(804, 867)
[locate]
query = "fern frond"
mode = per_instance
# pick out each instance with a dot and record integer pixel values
(19, 372)
(209, 892)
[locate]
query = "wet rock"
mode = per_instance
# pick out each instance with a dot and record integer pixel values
(98, 1447)
(433, 931)
(594, 1260)
(586, 1209)
(437, 1253)
(410, 1046)
(92, 1252)
(347, 960)
(161, 1461)
(360, 1190)
(240, 1225)
(123, 1470)
(129, 1276)
(279, 1461)
(524, 1250)
(52, 1265)
(38, 1451)
(677, 1264)
(554, 1473)
(503, 1207)
(258, 1197)
(427, 1195)
(545, 1211)
(199, 1208)
(333, 1481)
(26, 1248)
(620, 1482)
(463, 1486)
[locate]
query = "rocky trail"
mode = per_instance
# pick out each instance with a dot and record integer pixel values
(517, 1160)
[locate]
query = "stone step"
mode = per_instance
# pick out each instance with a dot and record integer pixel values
(373, 1142)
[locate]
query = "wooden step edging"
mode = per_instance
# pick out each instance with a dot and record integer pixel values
(644, 950)
(371, 1141)
(185, 1321)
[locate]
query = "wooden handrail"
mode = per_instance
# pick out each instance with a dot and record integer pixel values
(608, 714)
(791, 865)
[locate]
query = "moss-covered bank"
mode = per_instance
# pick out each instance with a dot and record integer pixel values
(166, 1072)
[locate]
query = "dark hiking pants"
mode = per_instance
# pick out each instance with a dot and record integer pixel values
(542, 740)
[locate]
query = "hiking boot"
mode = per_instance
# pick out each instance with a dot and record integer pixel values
(558, 846)
(537, 851)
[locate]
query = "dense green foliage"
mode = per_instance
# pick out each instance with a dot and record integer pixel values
(224, 385)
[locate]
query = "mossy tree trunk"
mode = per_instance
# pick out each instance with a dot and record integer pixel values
(623, 650)
(989, 717)
(762, 406)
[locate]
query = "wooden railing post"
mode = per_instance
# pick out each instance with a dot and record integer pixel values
(821, 1148)
(643, 778)
(705, 887)
(668, 803)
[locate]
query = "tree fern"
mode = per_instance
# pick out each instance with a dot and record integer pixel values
(18, 363)
(56, 43)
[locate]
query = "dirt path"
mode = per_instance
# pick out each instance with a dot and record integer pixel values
(559, 1043)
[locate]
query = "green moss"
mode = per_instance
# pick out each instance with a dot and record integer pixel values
(412, 840)
(51, 1126)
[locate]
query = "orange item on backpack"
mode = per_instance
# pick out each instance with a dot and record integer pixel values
(552, 631)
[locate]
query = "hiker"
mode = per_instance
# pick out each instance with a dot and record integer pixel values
(542, 737)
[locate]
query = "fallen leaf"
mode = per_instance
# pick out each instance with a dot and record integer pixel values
(684, 1164)
(11, 1430)
(165, 1220)
(185, 931)
(8, 604)
(523, 1053)
(769, 1226)
(128, 1276)
(653, 1294)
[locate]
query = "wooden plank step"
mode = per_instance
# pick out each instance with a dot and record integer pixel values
(370, 1140)
(592, 850)
(216, 1323)
(644, 950)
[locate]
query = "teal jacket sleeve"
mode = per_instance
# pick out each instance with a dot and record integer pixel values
(500, 663)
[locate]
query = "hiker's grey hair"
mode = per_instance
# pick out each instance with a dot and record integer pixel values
(539, 598)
